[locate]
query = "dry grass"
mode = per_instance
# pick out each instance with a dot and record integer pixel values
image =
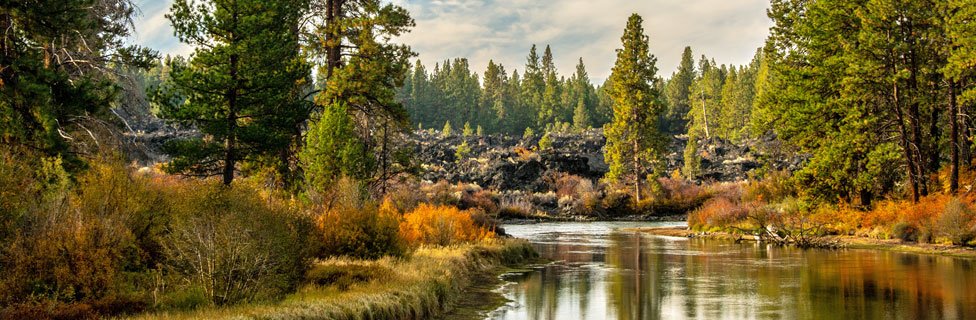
(418, 287)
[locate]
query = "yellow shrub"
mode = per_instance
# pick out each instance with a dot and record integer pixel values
(440, 225)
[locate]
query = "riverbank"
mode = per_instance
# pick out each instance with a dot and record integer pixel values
(429, 283)
(851, 242)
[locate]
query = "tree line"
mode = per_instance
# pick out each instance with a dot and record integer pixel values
(879, 92)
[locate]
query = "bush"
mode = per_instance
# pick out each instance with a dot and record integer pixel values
(480, 199)
(72, 248)
(956, 223)
(904, 231)
(618, 203)
(368, 232)
(717, 212)
(236, 245)
(440, 225)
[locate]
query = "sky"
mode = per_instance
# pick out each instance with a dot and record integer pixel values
(729, 31)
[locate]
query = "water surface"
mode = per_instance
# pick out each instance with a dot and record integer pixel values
(606, 273)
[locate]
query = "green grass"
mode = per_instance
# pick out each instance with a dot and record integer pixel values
(428, 283)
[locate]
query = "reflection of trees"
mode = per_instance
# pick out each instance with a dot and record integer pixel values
(659, 278)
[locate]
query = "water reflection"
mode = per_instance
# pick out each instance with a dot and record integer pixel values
(605, 273)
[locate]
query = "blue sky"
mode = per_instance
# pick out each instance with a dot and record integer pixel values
(504, 30)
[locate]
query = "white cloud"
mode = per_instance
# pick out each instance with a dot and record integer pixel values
(729, 31)
(503, 30)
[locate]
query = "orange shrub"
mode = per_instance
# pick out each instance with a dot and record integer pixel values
(368, 232)
(717, 212)
(440, 225)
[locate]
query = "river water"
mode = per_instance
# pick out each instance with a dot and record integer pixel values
(602, 272)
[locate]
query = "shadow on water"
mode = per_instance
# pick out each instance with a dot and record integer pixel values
(605, 273)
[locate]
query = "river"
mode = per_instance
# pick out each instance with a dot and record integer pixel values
(603, 272)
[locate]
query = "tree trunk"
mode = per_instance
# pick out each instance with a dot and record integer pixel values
(913, 115)
(906, 147)
(637, 170)
(231, 140)
(333, 38)
(953, 139)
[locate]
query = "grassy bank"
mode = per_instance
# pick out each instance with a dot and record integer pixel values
(425, 284)
(851, 242)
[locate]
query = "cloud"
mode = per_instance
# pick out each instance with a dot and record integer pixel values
(153, 30)
(503, 30)
(729, 31)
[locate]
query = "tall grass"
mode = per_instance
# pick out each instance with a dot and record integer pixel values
(419, 287)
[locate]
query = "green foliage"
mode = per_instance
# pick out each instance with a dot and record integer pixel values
(479, 131)
(240, 90)
(633, 139)
(503, 103)
(581, 117)
(678, 93)
(467, 130)
(546, 142)
(692, 159)
(529, 133)
(331, 150)
(462, 152)
(446, 132)
(235, 245)
(47, 103)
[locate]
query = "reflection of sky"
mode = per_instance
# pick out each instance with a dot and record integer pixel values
(504, 30)
(607, 274)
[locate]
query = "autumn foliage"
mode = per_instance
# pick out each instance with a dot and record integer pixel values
(441, 225)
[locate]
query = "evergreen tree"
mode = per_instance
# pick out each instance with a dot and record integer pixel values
(533, 86)
(446, 132)
(678, 93)
(363, 69)
(331, 150)
(56, 79)
(633, 140)
(581, 116)
(239, 84)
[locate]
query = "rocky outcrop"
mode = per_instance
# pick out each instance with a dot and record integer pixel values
(513, 163)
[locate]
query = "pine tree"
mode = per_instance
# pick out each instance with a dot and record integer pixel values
(467, 129)
(364, 68)
(581, 116)
(331, 150)
(240, 84)
(678, 93)
(56, 80)
(446, 132)
(533, 86)
(633, 140)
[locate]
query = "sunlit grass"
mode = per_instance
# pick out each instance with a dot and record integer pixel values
(419, 286)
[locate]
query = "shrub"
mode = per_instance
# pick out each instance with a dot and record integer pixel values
(515, 206)
(72, 247)
(480, 199)
(440, 225)
(545, 143)
(367, 232)
(618, 203)
(775, 187)
(717, 212)
(235, 245)
(904, 231)
(956, 223)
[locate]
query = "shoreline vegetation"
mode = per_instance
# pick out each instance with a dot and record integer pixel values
(430, 283)
(842, 242)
